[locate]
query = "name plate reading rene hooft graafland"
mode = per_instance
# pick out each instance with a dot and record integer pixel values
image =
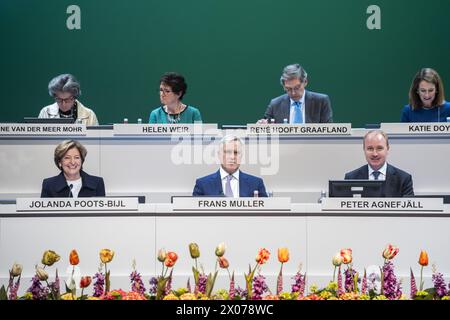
(384, 204)
(224, 204)
(76, 204)
(18, 129)
(122, 129)
(416, 128)
(300, 129)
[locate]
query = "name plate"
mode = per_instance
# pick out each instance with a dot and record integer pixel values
(163, 129)
(301, 129)
(231, 204)
(384, 204)
(416, 128)
(76, 204)
(17, 129)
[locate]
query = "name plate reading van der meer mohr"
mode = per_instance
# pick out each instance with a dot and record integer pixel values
(231, 204)
(76, 204)
(384, 204)
(18, 129)
(416, 128)
(301, 129)
(163, 129)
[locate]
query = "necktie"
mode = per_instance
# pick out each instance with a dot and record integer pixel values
(298, 117)
(228, 191)
(376, 174)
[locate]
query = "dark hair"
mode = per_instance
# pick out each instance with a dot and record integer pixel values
(175, 81)
(431, 76)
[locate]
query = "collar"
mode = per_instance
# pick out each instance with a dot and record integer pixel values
(382, 170)
(224, 174)
(86, 181)
(302, 100)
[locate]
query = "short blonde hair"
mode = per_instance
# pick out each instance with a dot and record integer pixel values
(62, 148)
(381, 132)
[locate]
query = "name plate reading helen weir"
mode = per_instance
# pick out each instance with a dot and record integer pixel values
(18, 129)
(301, 129)
(163, 129)
(416, 128)
(384, 204)
(231, 204)
(76, 204)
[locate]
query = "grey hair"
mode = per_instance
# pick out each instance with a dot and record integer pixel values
(230, 138)
(64, 83)
(293, 71)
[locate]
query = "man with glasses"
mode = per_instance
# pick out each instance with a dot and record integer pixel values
(298, 105)
(65, 89)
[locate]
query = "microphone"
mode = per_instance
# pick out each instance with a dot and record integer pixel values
(70, 193)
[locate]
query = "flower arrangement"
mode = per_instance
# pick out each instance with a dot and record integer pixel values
(346, 285)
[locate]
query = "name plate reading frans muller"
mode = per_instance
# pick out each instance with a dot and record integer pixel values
(416, 128)
(163, 129)
(76, 204)
(301, 129)
(384, 204)
(18, 129)
(224, 204)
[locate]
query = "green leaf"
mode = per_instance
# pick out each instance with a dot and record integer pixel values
(196, 275)
(3, 294)
(210, 283)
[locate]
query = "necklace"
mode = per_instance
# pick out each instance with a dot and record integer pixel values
(174, 117)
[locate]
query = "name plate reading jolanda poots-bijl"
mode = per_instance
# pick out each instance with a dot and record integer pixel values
(313, 129)
(23, 129)
(123, 129)
(384, 204)
(76, 204)
(226, 204)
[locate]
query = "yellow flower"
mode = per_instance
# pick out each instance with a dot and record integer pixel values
(332, 286)
(162, 255)
(106, 255)
(194, 250)
(283, 255)
(16, 270)
(171, 296)
(49, 258)
(220, 249)
(68, 296)
(313, 288)
(188, 296)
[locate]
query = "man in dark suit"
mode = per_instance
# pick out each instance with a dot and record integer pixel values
(376, 147)
(298, 105)
(229, 181)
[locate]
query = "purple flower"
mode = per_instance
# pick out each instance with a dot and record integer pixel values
(391, 288)
(413, 286)
(299, 283)
(38, 291)
(137, 285)
(13, 288)
(372, 286)
(439, 284)
(259, 287)
(340, 289)
(169, 284)
(188, 285)
(232, 291)
(364, 284)
(241, 292)
(202, 279)
(349, 279)
(99, 282)
(153, 285)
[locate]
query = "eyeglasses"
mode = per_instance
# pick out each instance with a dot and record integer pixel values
(165, 91)
(61, 100)
(294, 89)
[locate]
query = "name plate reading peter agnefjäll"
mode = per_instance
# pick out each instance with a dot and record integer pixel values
(18, 129)
(301, 129)
(416, 128)
(231, 204)
(120, 129)
(76, 204)
(384, 204)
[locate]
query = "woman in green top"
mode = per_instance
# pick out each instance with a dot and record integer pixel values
(172, 88)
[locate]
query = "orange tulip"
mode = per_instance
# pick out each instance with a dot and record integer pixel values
(73, 257)
(263, 256)
(106, 255)
(85, 282)
(346, 255)
(172, 256)
(423, 259)
(283, 255)
(223, 262)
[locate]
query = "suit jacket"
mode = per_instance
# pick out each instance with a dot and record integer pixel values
(398, 182)
(211, 185)
(56, 187)
(318, 108)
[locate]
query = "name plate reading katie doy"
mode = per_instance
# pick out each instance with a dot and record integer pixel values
(76, 204)
(163, 129)
(300, 129)
(416, 128)
(384, 204)
(18, 129)
(224, 204)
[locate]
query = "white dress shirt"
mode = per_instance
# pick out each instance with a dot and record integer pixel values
(234, 182)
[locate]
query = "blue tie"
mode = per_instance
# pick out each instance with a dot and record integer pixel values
(298, 117)
(376, 174)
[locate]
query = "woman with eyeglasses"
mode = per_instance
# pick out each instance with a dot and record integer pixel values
(426, 99)
(65, 89)
(172, 88)
(72, 181)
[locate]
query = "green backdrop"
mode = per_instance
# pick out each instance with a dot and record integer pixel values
(231, 52)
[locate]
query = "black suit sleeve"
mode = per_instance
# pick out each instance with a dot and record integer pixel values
(269, 112)
(261, 189)
(326, 115)
(44, 190)
(198, 191)
(100, 192)
(407, 187)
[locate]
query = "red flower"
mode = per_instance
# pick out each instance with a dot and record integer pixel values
(263, 256)
(73, 257)
(85, 282)
(346, 255)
